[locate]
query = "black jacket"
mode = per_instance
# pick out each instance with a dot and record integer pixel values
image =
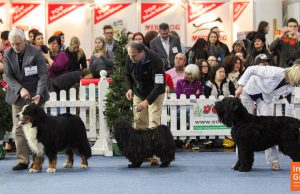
(74, 63)
(141, 77)
(65, 81)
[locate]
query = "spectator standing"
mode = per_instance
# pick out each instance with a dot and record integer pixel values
(129, 37)
(263, 28)
(287, 45)
(198, 51)
(149, 36)
(166, 46)
(223, 45)
(183, 47)
(138, 36)
(110, 42)
(215, 48)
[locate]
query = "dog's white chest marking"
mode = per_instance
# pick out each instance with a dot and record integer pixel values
(30, 134)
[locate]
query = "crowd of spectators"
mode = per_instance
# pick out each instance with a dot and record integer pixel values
(207, 68)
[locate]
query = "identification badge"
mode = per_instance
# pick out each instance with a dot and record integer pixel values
(175, 50)
(159, 78)
(32, 70)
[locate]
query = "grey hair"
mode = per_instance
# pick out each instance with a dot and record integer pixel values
(193, 69)
(16, 33)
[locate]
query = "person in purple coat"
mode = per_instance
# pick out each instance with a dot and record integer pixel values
(190, 84)
(57, 60)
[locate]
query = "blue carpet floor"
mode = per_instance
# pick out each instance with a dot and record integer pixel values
(192, 172)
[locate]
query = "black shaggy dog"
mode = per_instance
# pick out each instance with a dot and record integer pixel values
(257, 133)
(48, 134)
(138, 145)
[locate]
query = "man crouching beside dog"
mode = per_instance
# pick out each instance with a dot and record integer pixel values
(144, 78)
(26, 73)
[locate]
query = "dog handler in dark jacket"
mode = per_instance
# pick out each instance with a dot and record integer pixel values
(261, 84)
(144, 77)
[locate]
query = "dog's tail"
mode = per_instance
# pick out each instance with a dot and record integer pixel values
(83, 144)
(165, 139)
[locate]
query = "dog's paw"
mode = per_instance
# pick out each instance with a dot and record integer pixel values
(235, 167)
(245, 169)
(68, 165)
(164, 164)
(51, 170)
(133, 166)
(32, 170)
(83, 166)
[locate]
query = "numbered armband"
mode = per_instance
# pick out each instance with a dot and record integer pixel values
(159, 78)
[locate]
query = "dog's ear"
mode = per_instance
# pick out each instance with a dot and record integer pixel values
(237, 99)
(236, 104)
(235, 107)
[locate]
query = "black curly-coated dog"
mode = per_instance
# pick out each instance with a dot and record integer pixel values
(138, 145)
(257, 133)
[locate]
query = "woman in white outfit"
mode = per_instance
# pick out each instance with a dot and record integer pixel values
(260, 85)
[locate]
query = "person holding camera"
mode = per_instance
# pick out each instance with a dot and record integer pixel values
(287, 45)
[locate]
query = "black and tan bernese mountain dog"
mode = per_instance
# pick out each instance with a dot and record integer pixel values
(48, 135)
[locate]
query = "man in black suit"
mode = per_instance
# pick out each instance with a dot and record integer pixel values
(166, 46)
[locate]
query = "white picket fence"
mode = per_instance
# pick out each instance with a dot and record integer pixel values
(90, 104)
(90, 108)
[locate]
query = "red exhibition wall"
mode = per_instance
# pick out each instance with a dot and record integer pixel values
(85, 20)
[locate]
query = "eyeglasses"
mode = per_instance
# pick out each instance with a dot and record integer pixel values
(293, 26)
(108, 32)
